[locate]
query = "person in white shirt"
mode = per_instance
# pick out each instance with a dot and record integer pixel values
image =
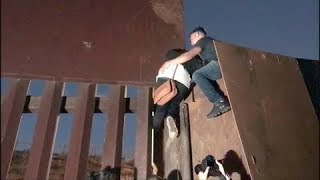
(181, 74)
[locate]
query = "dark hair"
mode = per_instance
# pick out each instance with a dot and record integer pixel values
(198, 168)
(173, 53)
(154, 177)
(198, 29)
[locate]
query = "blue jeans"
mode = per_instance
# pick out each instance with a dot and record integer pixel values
(202, 78)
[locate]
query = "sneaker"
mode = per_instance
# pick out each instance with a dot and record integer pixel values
(219, 108)
(173, 130)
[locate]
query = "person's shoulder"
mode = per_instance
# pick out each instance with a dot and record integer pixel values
(206, 40)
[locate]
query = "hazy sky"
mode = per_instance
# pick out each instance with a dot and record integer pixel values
(287, 27)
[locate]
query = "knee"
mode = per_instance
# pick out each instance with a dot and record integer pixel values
(196, 76)
(156, 124)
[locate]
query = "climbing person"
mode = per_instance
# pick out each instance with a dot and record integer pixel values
(211, 167)
(106, 173)
(154, 175)
(203, 46)
(173, 175)
(181, 74)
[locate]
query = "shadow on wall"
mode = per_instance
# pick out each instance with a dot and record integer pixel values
(310, 70)
(232, 163)
(174, 175)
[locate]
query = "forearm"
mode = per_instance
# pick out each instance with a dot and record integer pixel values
(185, 57)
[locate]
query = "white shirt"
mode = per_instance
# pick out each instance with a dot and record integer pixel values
(181, 74)
(203, 175)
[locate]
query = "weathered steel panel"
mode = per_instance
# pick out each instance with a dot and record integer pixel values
(11, 111)
(142, 157)
(88, 40)
(42, 146)
(114, 129)
(80, 136)
(218, 136)
(277, 125)
(102, 104)
(185, 161)
(177, 152)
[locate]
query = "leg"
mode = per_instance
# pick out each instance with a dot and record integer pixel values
(202, 78)
(174, 109)
(160, 111)
(159, 115)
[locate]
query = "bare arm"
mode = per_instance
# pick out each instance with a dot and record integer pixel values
(154, 168)
(187, 56)
(203, 175)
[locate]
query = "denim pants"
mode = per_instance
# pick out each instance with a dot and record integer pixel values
(202, 78)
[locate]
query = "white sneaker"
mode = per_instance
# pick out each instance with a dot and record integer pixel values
(173, 130)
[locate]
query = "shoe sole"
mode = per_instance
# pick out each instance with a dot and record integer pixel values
(224, 110)
(173, 130)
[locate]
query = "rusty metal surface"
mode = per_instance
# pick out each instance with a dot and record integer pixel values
(114, 129)
(142, 157)
(185, 143)
(177, 152)
(11, 111)
(93, 41)
(273, 112)
(218, 137)
(78, 151)
(39, 160)
(68, 105)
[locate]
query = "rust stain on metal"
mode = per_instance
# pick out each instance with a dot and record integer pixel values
(78, 151)
(102, 104)
(218, 137)
(143, 137)
(114, 129)
(11, 111)
(90, 41)
(171, 12)
(272, 111)
(41, 151)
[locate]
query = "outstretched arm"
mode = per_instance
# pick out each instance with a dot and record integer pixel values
(154, 168)
(187, 56)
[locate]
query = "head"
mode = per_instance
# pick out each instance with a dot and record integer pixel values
(197, 34)
(198, 168)
(109, 173)
(154, 177)
(173, 53)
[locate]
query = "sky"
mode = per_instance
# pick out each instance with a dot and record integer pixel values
(286, 27)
